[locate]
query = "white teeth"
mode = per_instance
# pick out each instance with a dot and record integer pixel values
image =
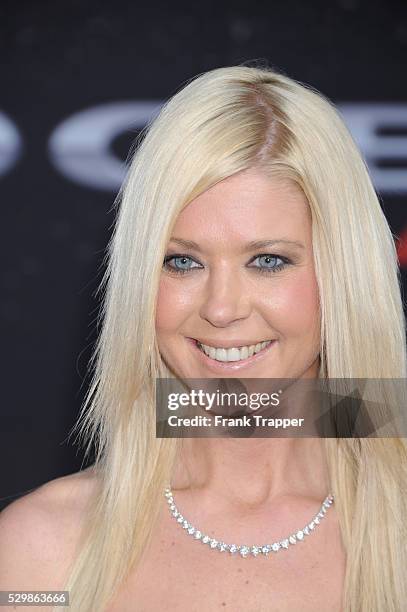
(212, 352)
(233, 354)
(244, 352)
(221, 355)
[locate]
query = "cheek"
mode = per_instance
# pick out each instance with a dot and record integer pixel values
(295, 306)
(173, 304)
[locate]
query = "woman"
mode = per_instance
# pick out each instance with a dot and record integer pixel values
(240, 155)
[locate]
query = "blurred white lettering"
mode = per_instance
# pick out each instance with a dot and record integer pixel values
(10, 144)
(380, 130)
(80, 147)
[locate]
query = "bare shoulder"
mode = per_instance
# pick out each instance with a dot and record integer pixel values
(40, 532)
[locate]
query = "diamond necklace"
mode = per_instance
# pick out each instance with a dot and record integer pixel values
(243, 549)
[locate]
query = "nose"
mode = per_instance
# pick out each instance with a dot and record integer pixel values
(224, 298)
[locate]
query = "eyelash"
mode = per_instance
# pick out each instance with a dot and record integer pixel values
(276, 268)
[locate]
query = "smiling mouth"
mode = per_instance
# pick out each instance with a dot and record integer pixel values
(232, 357)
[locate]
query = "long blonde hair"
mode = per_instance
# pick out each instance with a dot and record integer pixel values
(226, 121)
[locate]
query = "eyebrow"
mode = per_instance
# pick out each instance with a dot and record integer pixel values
(249, 246)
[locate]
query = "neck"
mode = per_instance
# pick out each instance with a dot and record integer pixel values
(246, 474)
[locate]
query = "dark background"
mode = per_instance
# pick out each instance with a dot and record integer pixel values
(61, 58)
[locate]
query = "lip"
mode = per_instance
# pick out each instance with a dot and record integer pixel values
(219, 366)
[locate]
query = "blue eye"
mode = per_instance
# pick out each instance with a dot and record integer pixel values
(270, 259)
(183, 260)
(181, 264)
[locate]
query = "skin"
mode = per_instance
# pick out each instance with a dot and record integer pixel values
(224, 296)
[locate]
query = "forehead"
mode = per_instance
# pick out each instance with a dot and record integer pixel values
(244, 207)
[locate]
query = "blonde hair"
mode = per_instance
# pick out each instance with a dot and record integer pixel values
(226, 121)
